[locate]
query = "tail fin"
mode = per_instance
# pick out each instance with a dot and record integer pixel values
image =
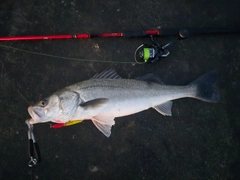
(205, 91)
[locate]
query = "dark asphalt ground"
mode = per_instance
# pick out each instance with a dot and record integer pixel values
(200, 140)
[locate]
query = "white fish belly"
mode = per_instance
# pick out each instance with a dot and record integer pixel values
(124, 108)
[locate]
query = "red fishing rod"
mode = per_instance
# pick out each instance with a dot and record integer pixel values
(83, 35)
(145, 53)
(128, 34)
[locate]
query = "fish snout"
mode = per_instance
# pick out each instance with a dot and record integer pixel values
(35, 113)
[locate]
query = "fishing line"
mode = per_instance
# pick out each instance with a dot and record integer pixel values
(12, 84)
(23, 97)
(66, 58)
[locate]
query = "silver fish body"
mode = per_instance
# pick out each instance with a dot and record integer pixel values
(107, 96)
(128, 96)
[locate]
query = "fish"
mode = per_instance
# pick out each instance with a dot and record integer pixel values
(107, 95)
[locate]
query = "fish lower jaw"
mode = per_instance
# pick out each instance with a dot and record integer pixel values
(32, 121)
(33, 113)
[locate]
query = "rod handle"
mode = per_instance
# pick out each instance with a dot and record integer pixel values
(130, 34)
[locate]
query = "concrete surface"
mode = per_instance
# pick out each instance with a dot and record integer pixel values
(200, 140)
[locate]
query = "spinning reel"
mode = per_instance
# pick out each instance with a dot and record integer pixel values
(149, 53)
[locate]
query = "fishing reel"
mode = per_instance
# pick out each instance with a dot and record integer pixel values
(149, 53)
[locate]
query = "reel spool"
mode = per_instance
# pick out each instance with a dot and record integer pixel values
(147, 53)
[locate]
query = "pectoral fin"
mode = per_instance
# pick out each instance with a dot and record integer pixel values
(95, 103)
(165, 108)
(104, 124)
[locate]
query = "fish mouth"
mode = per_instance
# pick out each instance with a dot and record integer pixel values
(34, 113)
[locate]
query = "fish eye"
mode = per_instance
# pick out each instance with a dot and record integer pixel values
(43, 103)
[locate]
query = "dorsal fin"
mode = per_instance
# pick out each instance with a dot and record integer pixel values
(107, 74)
(150, 78)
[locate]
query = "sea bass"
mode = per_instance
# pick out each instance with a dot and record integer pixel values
(107, 96)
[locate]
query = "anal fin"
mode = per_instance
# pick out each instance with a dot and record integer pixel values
(104, 123)
(165, 108)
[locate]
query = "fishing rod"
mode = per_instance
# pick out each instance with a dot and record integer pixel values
(145, 53)
(126, 34)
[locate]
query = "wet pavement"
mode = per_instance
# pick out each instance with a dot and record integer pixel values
(200, 140)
